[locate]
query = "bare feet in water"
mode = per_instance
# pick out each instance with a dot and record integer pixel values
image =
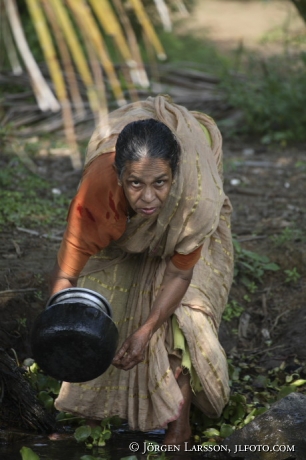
(177, 433)
(179, 430)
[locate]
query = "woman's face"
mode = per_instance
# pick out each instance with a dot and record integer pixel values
(147, 184)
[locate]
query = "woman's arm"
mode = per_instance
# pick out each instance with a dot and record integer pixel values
(59, 280)
(172, 290)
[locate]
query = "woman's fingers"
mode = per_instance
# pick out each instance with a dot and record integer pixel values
(122, 350)
(132, 351)
(128, 359)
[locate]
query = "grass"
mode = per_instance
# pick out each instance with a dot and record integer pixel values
(27, 200)
(200, 53)
(271, 97)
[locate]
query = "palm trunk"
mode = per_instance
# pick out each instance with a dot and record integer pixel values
(19, 405)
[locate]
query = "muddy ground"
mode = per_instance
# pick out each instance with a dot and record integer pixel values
(266, 188)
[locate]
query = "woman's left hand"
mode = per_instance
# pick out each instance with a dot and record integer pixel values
(132, 351)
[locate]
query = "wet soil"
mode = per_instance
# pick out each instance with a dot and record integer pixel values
(266, 188)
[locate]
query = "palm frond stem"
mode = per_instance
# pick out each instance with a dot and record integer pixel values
(44, 96)
(148, 28)
(138, 72)
(66, 61)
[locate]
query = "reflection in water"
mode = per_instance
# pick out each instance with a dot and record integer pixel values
(122, 444)
(68, 449)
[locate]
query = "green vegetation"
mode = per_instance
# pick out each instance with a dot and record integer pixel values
(253, 392)
(27, 199)
(287, 235)
(270, 92)
(233, 310)
(271, 95)
(292, 276)
(28, 454)
(94, 436)
(250, 267)
(201, 54)
(47, 388)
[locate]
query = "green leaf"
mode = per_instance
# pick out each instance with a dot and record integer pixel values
(54, 385)
(285, 391)
(60, 416)
(260, 410)
(272, 267)
(211, 432)
(299, 382)
(96, 432)
(41, 381)
(46, 399)
(28, 454)
(246, 265)
(107, 434)
(238, 398)
(208, 443)
(249, 417)
(236, 373)
(34, 368)
(82, 433)
(226, 430)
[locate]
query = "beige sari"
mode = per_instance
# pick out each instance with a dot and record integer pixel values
(129, 272)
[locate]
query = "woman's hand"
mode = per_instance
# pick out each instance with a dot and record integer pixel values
(172, 290)
(133, 349)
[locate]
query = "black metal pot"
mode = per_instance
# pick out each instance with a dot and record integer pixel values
(75, 338)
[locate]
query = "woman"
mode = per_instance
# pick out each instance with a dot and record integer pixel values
(150, 230)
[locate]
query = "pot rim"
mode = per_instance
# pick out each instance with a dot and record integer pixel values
(89, 294)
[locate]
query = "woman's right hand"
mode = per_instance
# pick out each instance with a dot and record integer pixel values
(132, 352)
(60, 280)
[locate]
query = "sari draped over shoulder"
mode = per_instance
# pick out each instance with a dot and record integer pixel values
(130, 270)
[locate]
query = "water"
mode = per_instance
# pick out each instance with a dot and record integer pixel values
(122, 444)
(68, 449)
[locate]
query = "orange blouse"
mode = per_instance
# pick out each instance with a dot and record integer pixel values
(97, 216)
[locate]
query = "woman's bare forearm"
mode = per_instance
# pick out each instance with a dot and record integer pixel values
(60, 280)
(172, 290)
(175, 284)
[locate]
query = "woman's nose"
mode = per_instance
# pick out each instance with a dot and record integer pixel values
(148, 195)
